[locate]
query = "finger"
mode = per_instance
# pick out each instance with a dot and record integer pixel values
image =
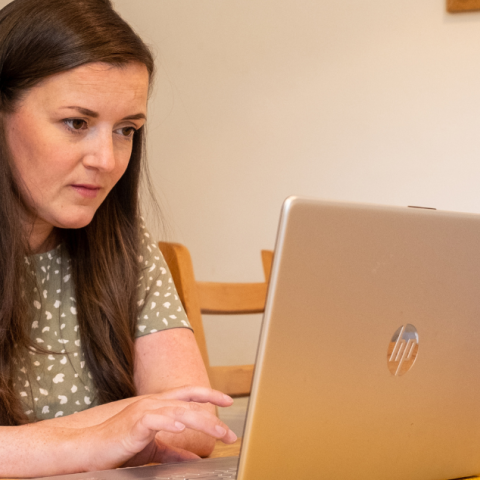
(191, 393)
(142, 458)
(229, 436)
(158, 452)
(168, 454)
(145, 429)
(194, 417)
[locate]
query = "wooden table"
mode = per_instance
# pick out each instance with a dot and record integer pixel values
(223, 450)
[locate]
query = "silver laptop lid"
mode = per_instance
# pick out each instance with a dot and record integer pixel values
(369, 358)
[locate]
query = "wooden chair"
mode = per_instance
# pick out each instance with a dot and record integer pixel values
(217, 299)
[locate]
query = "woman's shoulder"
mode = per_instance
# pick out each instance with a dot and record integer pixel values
(149, 255)
(158, 299)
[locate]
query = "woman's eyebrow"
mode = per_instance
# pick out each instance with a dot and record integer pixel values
(137, 116)
(91, 113)
(85, 111)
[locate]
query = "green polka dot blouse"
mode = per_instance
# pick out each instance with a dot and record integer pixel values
(60, 384)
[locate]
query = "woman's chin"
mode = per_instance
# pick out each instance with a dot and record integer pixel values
(74, 222)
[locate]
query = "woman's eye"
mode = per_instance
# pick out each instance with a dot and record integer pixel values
(127, 131)
(76, 124)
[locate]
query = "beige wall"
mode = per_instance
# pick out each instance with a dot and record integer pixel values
(367, 100)
(255, 100)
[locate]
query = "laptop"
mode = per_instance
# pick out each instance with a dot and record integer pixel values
(369, 358)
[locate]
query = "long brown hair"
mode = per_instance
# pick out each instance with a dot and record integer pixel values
(39, 38)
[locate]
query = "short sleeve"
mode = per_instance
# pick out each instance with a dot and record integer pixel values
(160, 307)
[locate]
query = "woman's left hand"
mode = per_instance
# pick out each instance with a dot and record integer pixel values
(159, 452)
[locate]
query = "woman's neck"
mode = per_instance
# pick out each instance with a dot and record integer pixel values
(42, 238)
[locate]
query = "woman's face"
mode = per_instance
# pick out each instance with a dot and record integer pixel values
(71, 137)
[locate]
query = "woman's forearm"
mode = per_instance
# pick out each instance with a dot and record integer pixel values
(39, 450)
(92, 416)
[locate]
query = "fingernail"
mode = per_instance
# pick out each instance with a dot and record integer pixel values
(227, 398)
(179, 425)
(221, 431)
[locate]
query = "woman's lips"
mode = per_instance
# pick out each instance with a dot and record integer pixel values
(87, 191)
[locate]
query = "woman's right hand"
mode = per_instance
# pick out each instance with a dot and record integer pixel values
(123, 437)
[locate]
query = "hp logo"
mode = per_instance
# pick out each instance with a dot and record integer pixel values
(402, 350)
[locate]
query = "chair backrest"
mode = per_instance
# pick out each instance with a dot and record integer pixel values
(216, 298)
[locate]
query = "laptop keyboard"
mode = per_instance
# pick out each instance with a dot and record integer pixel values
(215, 474)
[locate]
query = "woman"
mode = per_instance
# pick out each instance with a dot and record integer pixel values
(90, 322)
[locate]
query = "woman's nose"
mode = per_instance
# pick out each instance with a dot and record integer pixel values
(100, 154)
